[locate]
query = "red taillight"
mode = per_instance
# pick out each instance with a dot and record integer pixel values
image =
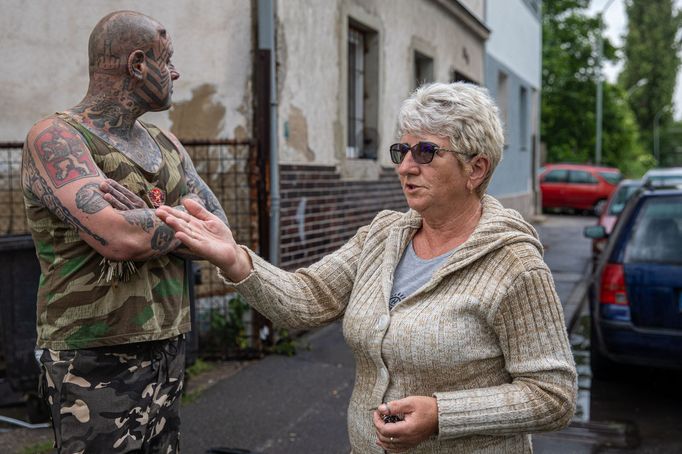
(613, 285)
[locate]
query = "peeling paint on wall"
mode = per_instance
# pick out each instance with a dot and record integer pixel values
(298, 133)
(201, 117)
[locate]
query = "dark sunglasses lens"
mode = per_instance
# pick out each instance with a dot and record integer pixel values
(424, 152)
(398, 152)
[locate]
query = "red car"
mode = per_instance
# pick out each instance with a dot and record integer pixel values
(577, 186)
(624, 191)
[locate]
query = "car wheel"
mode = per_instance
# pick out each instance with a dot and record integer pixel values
(599, 207)
(602, 367)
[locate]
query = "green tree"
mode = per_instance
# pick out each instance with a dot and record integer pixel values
(651, 49)
(568, 80)
(569, 77)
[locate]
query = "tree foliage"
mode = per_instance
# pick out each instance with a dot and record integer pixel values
(651, 49)
(569, 76)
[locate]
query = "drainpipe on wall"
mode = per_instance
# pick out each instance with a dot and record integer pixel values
(266, 41)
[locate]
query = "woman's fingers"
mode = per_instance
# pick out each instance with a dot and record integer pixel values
(197, 210)
(165, 211)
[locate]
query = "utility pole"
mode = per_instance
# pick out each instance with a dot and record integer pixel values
(600, 52)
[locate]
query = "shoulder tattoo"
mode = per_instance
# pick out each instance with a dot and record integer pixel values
(63, 156)
(40, 190)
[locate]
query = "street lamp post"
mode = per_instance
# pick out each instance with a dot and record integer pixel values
(640, 83)
(600, 52)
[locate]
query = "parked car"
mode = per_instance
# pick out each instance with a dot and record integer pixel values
(577, 186)
(614, 206)
(636, 291)
(663, 176)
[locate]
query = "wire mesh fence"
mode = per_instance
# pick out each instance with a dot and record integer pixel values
(224, 324)
(12, 217)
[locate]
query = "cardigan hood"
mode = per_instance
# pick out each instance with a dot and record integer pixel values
(497, 228)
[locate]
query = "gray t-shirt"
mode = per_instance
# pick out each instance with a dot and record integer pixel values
(412, 273)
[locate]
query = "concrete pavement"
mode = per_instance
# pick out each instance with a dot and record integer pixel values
(298, 404)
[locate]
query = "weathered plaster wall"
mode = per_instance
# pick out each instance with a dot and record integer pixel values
(476, 7)
(44, 62)
(312, 81)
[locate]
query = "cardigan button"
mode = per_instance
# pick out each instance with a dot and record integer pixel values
(382, 324)
(383, 373)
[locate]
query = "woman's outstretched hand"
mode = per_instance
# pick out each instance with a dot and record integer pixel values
(207, 236)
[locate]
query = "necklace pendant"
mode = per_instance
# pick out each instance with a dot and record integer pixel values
(157, 196)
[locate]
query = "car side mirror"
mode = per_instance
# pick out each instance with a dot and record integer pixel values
(596, 232)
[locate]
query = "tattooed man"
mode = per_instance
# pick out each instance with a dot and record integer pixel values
(113, 304)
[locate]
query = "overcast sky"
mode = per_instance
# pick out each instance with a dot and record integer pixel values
(616, 22)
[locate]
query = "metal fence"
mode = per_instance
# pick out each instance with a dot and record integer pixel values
(230, 168)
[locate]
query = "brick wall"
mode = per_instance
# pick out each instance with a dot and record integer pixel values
(320, 212)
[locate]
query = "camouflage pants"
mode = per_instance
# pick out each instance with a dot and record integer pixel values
(121, 399)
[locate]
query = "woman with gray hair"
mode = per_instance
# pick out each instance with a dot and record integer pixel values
(451, 313)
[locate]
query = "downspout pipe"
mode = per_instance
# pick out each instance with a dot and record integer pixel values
(266, 40)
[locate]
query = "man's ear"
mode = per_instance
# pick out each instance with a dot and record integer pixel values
(480, 167)
(136, 65)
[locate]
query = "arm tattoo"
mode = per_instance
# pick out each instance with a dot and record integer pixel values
(41, 191)
(63, 156)
(197, 186)
(143, 218)
(89, 199)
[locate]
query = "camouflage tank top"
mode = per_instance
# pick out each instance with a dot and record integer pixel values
(76, 307)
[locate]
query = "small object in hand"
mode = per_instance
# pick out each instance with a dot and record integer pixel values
(391, 418)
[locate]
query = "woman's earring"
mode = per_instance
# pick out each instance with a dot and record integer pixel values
(470, 187)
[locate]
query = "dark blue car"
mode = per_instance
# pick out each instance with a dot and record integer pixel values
(636, 291)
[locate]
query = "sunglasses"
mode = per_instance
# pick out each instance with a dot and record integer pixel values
(422, 152)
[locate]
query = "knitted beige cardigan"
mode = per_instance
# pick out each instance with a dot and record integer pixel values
(485, 335)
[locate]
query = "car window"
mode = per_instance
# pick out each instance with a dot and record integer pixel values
(657, 235)
(611, 177)
(581, 177)
(620, 198)
(665, 180)
(556, 176)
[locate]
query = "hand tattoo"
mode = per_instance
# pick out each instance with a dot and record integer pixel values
(162, 240)
(143, 218)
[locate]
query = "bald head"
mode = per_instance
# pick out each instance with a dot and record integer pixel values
(117, 35)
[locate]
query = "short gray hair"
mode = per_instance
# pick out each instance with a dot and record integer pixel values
(463, 113)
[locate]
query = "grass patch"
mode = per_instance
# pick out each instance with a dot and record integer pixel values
(199, 367)
(191, 373)
(190, 397)
(44, 447)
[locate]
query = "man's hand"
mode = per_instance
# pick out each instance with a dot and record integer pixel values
(207, 236)
(119, 196)
(420, 421)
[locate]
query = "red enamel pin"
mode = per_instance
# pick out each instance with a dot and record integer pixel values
(157, 196)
